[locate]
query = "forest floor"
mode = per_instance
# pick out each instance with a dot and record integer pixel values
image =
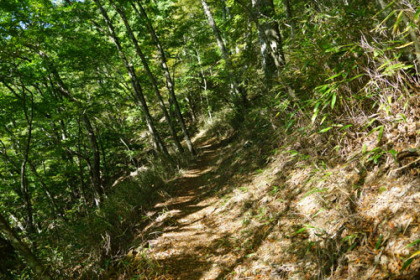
(239, 212)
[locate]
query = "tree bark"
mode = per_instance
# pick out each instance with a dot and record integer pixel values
(158, 144)
(23, 180)
(82, 185)
(239, 93)
(204, 82)
(96, 162)
(271, 44)
(289, 17)
(169, 82)
(150, 75)
(64, 91)
(33, 262)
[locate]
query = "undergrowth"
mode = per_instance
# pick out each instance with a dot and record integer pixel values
(100, 237)
(361, 113)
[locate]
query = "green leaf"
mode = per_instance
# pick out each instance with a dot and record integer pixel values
(405, 45)
(415, 254)
(368, 124)
(325, 129)
(300, 230)
(316, 111)
(394, 155)
(381, 132)
(397, 22)
(334, 99)
(406, 264)
(403, 117)
(355, 77)
(378, 243)
(346, 126)
(417, 15)
(413, 243)
(387, 17)
(334, 76)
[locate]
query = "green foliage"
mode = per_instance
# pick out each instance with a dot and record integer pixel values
(103, 232)
(350, 69)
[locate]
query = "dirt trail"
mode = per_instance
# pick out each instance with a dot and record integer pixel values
(239, 214)
(183, 237)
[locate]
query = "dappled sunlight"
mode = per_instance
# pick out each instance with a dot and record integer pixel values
(276, 221)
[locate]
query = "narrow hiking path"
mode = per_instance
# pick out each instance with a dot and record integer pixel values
(183, 236)
(193, 233)
(238, 212)
(213, 219)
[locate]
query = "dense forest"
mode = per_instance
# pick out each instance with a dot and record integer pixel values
(211, 139)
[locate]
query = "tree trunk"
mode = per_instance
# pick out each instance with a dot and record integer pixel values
(158, 144)
(270, 39)
(289, 17)
(23, 180)
(239, 93)
(82, 185)
(33, 262)
(96, 165)
(204, 81)
(150, 75)
(169, 82)
(25, 197)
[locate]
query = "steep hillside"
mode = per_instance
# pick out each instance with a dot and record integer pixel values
(259, 204)
(211, 139)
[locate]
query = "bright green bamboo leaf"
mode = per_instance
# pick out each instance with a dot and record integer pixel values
(397, 22)
(381, 131)
(333, 100)
(325, 129)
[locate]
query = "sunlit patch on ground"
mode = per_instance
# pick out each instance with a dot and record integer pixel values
(291, 219)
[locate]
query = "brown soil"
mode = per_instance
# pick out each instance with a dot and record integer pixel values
(183, 236)
(232, 215)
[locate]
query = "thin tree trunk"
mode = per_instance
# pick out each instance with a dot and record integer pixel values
(204, 81)
(64, 91)
(33, 262)
(17, 169)
(271, 44)
(225, 16)
(106, 171)
(23, 180)
(150, 75)
(134, 82)
(217, 34)
(238, 92)
(82, 185)
(96, 165)
(169, 82)
(289, 17)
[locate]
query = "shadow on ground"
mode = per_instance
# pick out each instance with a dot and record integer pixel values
(180, 234)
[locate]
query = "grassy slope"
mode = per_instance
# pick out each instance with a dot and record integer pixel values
(265, 203)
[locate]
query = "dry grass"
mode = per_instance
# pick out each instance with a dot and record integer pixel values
(292, 216)
(263, 203)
